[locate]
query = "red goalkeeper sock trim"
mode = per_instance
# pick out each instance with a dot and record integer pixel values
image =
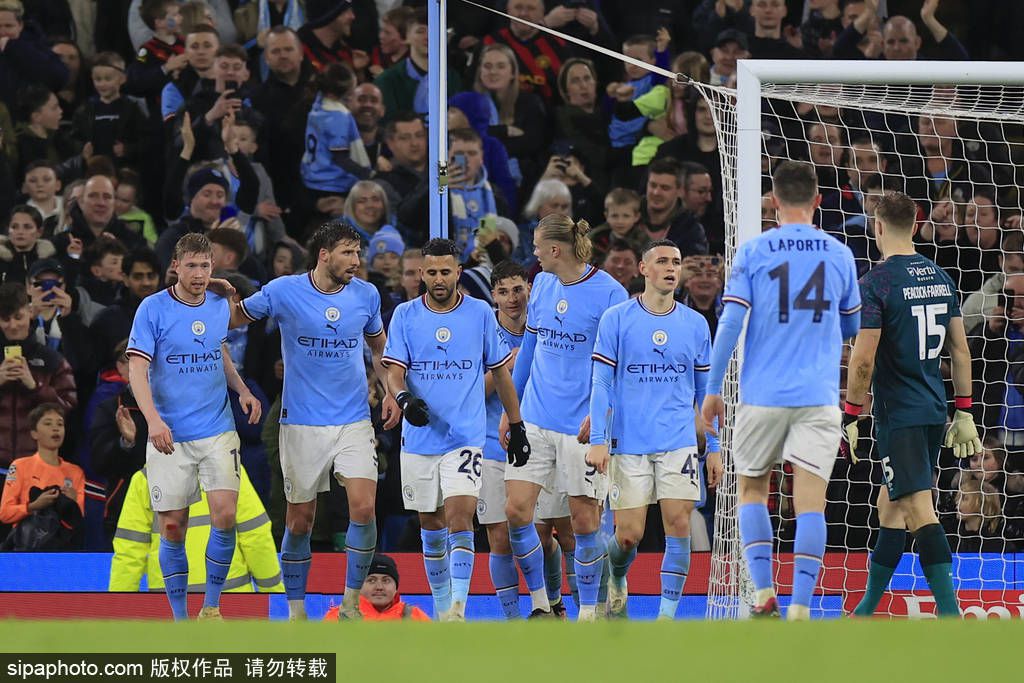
(852, 409)
(963, 402)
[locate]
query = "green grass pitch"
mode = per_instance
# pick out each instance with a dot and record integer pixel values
(625, 652)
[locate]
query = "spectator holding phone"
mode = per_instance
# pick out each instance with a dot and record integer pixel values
(44, 485)
(31, 374)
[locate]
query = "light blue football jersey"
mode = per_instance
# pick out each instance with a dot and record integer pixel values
(329, 128)
(182, 343)
(445, 356)
(321, 345)
(797, 282)
(493, 449)
(654, 357)
(564, 317)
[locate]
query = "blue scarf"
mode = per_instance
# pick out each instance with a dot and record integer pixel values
(421, 100)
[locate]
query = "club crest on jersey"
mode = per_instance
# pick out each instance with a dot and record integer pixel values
(562, 306)
(543, 62)
(198, 328)
(481, 506)
(473, 206)
(660, 337)
(332, 314)
(287, 485)
(157, 494)
(409, 492)
(614, 492)
(442, 334)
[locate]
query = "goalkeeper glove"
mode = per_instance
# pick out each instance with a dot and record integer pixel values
(518, 445)
(962, 435)
(851, 432)
(414, 408)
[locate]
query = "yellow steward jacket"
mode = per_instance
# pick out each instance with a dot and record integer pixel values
(137, 544)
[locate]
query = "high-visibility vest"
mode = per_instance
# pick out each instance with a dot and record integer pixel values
(137, 543)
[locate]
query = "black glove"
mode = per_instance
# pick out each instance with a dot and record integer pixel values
(415, 409)
(518, 445)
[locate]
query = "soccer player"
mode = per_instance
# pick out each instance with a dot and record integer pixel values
(440, 346)
(324, 316)
(552, 374)
(510, 291)
(800, 288)
(180, 370)
(910, 316)
(652, 358)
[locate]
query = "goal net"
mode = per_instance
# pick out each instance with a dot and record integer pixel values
(957, 148)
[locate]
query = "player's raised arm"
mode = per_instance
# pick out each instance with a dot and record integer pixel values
(962, 436)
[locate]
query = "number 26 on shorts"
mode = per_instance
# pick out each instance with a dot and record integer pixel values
(472, 465)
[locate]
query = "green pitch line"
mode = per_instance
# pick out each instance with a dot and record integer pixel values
(624, 652)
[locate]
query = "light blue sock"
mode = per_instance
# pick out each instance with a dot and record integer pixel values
(553, 574)
(529, 555)
(219, 551)
(360, 543)
(590, 559)
(756, 536)
(808, 549)
(435, 561)
(675, 565)
(295, 560)
(570, 575)
(174, 567)
(506, 583)
(619, 560)
(462, 556)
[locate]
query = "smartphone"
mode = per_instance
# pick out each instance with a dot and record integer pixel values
(231, 85)
(46, 286)
(12, 352)
(460, 160)
(229, 211)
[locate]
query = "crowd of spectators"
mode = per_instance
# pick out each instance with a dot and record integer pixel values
(126, 125)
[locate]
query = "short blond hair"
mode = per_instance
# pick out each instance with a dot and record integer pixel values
(13, 6)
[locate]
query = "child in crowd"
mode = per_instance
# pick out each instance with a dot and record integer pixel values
(386, 249)
(43, 481)
(102, 277)
(335, 157)
(265, 227)
(38, 137)
(622, 222)
(42, 187)
(111, 122)
(126, 206)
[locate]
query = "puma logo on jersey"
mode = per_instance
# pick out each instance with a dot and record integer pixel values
(332, 328)
(660, 352)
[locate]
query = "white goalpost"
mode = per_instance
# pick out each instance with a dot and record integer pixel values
(951, 135)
